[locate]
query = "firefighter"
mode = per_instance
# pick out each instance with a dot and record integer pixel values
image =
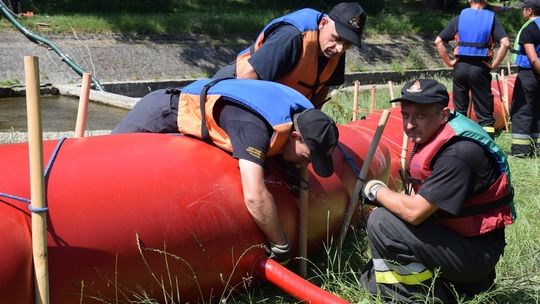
(251, 119)
(448, 235)
(475, 31)
(304, 50)
(525, 113)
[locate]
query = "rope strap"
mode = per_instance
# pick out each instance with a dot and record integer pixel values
(46, 177)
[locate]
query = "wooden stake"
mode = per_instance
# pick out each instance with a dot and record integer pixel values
(303, 223)
(403, 157)
(504, 80)
(37, 182)
(355, 100)
(509, 68)
(391, 90)
(355, 195)
(372, 103)
(83, 105)
(502, 101)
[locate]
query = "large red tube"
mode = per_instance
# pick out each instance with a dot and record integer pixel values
(127, 210)
(175, 194)
(296, 286)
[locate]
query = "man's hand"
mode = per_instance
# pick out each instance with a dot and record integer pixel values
(370, 189)
(280, 253)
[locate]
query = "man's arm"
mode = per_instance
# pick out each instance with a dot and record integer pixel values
(246, 72)
(260, 202)
(413, 209)
(533, 57)
(504, 45)
(441, 49)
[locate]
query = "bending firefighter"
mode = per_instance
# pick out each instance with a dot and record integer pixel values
(444, 240)
(304, 50)
(252, 119)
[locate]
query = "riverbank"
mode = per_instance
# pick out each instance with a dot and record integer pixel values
(124, 58)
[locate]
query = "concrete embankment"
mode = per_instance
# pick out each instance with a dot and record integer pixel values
(115, 58)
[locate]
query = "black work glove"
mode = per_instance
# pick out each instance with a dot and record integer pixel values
(280, 253)
(370, 189)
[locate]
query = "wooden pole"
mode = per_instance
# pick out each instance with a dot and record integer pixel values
(391, 91)
(372, 101)
(355, 100)
(502, 102)
(355, 195)
(37, 183)
(470, 107)
(404, 145)
(83, 105)
(303, 223)
(509, 68)
(505, 91)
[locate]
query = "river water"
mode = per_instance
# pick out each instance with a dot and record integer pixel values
(59, 113)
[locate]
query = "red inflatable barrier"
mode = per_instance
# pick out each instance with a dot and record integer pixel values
(159, 212)
(175, 194)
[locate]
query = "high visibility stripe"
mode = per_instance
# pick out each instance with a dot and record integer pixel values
(389, 273)
(390, 277)
(521, 141)
(489, 130)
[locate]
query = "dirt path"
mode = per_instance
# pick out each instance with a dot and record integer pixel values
(112, 57)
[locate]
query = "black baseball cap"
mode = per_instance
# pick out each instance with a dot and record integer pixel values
(320, 134)
(424, 91)
(350, 19)
(535, 4)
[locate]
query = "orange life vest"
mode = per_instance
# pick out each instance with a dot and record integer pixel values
(305, 76)
(274, 102)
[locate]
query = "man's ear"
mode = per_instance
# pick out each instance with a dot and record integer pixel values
(295, 135)
(445, 114)
(324, 21)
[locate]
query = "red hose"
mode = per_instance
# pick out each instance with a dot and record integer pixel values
(296, 286)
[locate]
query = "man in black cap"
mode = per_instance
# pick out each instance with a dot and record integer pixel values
(475, 30)
(304, 50)
(443, 237)
(525, 112)
(252, 119)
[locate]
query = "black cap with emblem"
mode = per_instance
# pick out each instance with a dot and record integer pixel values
(350, 19)
(424, 91)
(320, 134)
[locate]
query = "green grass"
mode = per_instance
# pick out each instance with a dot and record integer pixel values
(217, 18)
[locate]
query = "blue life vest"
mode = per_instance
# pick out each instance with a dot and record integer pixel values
(274, 102)
(474, 30)
(520, 57)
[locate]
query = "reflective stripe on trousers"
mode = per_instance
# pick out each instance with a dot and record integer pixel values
(387, 272)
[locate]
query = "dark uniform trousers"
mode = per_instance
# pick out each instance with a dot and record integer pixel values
(525, 114)
(156, 112)
(405, 259)
(471, 74)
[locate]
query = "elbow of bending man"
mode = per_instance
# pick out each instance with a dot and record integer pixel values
(247, 72)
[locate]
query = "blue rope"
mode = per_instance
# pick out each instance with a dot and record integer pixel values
(349, 160)
(46, 177)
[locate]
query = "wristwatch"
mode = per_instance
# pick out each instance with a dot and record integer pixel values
(372, 194)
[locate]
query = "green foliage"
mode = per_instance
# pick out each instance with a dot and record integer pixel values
(236, 16)
(8, 83)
